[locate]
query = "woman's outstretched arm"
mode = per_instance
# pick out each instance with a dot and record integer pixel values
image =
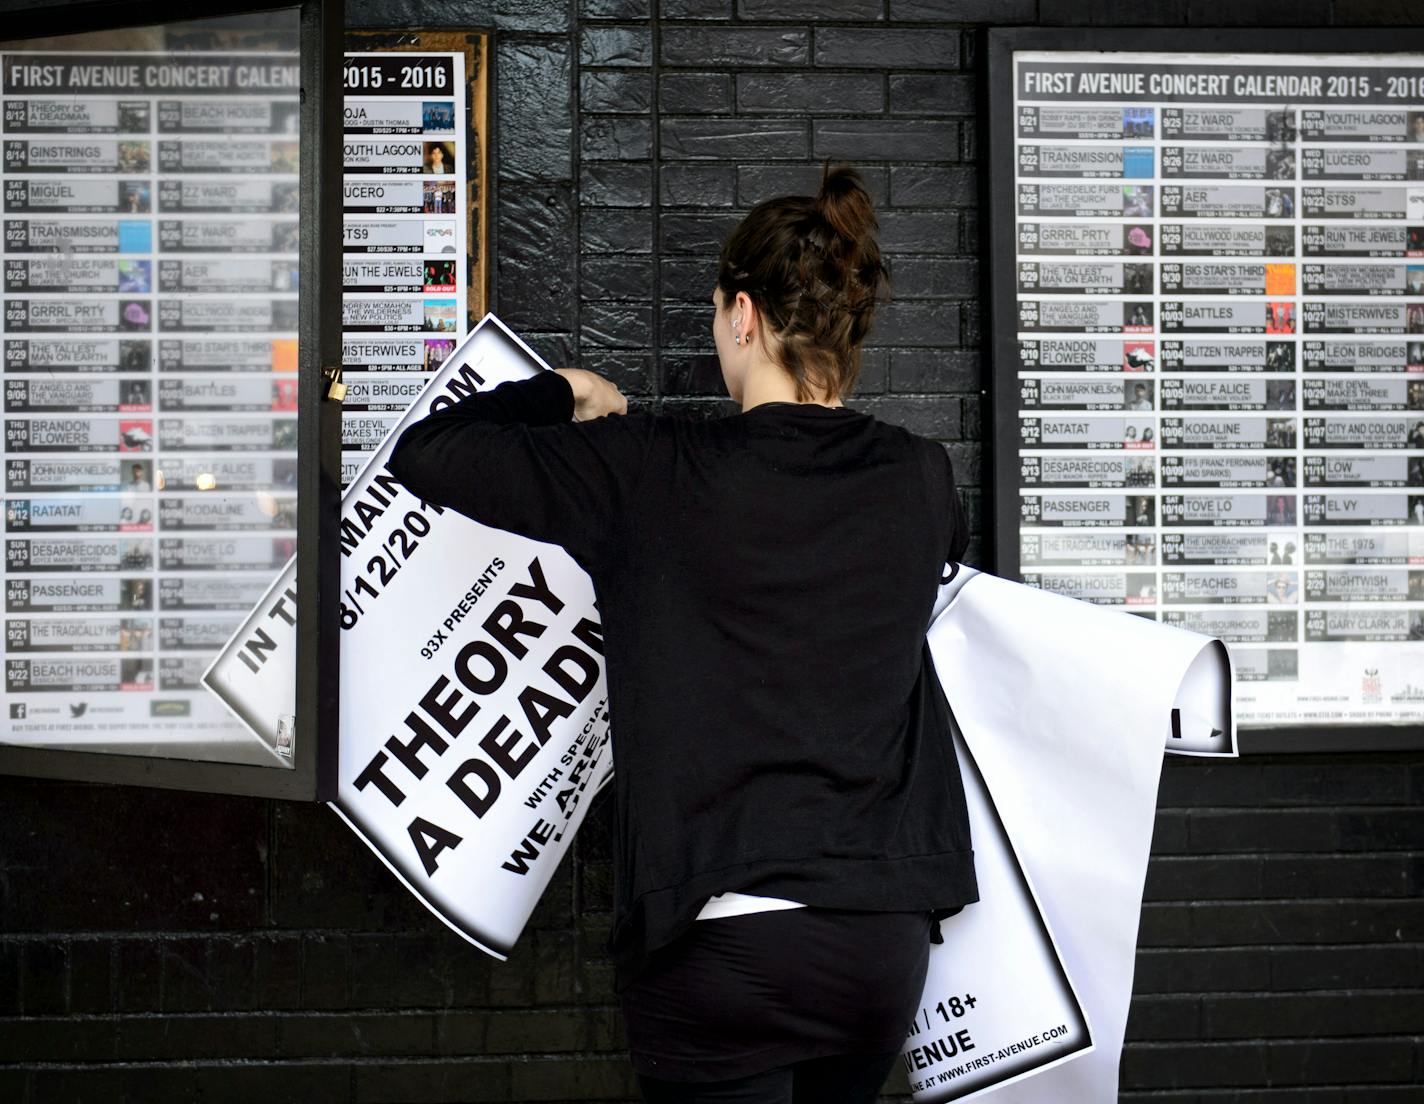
(512, 458)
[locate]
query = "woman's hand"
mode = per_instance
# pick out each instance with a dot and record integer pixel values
(594, 396)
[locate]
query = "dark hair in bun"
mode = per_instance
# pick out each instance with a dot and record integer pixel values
(812, 266)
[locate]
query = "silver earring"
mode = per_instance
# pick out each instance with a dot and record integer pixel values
(737, 338)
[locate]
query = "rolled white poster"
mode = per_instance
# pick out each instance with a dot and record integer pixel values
(1065, 709)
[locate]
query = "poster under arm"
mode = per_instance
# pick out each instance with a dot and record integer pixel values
(1065, 709)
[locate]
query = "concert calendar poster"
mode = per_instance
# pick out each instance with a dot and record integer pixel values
(150, 266)
(1208, 303)
(403, 274)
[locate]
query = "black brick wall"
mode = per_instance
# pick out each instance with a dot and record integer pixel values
(158, 945)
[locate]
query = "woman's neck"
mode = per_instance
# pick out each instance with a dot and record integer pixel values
(767, 382)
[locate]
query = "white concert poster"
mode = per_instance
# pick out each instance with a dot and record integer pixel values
(473, 826)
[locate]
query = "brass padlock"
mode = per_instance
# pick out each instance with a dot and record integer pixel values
(335, 389)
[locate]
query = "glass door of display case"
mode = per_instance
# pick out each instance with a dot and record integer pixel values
(171, 435)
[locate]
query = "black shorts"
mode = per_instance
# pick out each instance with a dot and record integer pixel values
(742, 994)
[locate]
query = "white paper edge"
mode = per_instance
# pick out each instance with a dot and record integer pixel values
(1233, 751)
(412, 890)
(207, 677)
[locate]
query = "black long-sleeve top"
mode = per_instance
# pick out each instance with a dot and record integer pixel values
(765, 582)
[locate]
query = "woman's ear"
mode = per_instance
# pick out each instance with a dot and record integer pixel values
(745, 310)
